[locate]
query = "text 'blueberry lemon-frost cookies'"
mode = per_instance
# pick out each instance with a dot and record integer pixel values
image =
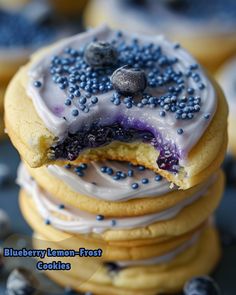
(145, 230)
(107, 94)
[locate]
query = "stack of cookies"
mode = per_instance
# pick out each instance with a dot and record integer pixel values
(121, 137)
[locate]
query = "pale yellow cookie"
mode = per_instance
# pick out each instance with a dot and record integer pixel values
(185, 221)
(88, 274)
(140, 206)
(33, 140)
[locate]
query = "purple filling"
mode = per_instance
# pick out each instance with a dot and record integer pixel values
(98, 136)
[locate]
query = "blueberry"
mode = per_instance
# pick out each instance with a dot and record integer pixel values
(21, 282)
(100, 54)
(128, 80)
(4, 224)
(202, 285)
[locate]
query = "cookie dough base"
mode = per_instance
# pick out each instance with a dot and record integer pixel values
(169, 277)
(33, 140)
(187, 220)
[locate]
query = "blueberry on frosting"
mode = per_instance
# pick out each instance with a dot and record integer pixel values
(100, 54)
(128, 80)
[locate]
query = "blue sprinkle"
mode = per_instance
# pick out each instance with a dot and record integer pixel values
(37, 84)
(75, 113)
(82, 100)
(145, 180)
(180, 131)
(67, 166)
(68, 102)
(94, 100)
(162, 113)
(80, 173)
(103, 169)
(134, 185)
(100, 217)
(116, 177)
(83, 166)
(130, 173)
(113, 222)
(109, 171)
(141, 168)
(47, 222)
(158, 177)
(206, 116)
(61, 206)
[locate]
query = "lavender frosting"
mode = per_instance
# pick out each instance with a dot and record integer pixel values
(49, 99)
(73, 220)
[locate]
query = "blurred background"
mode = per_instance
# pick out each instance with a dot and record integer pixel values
(206, 28)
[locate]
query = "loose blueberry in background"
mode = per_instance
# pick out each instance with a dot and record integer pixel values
(202, 285)
(127, 80)
(4, 174)
(21, 282)
(5, 226)
(100, 54)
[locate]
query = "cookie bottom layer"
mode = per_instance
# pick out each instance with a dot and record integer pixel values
(89, 274)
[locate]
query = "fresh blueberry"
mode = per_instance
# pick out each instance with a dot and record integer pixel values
(100, 54)
(21, 282)
(128, 80)
(202, 285)
(4, 224)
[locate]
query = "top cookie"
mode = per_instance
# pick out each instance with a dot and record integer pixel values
(108, 94)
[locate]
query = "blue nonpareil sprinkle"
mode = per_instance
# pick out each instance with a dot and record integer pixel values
(100, 217)
(135, 185)
(113, 222)
(75, 113)
(37, 84)
(61, 206)
(158, 177)
(130, 173)
(141, 168)
(47, 222)
(145, 180)
(180, 131)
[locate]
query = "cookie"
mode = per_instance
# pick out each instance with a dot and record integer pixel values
(197, 258)
(199, 26)
(227, 78)
(105, 124)
(145, 192)
(174, 221)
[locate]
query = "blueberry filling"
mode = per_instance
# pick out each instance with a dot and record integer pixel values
(99, 136)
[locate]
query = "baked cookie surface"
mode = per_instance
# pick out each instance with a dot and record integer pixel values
(36, 124)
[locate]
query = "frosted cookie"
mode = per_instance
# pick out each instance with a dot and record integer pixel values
(19, 37)
(227, 78)
(168, 115)
(150, 277)
(116, 188)
(200, 26)
(174, 221)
